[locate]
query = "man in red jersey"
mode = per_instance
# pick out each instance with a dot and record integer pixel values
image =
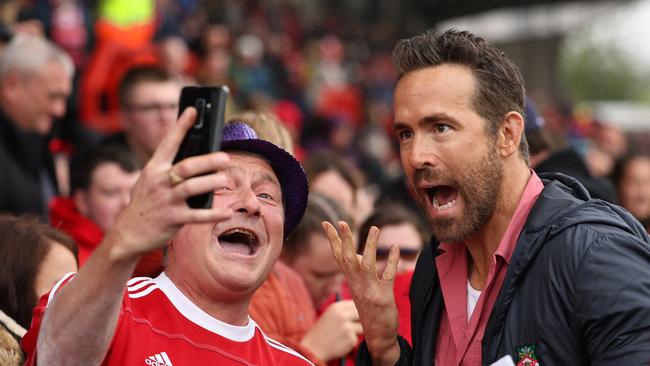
(197, 309)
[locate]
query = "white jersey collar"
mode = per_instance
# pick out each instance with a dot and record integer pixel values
(199, 317)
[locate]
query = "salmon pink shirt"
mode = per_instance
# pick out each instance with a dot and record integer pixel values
(459, 338)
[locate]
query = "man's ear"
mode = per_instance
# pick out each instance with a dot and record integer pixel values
(79, 199)
(509, 136)
(10, 86)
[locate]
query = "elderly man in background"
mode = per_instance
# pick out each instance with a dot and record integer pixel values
(35, 82)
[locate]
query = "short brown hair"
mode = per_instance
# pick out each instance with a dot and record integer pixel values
(319, 208)
(500, 86)
(24, 244)
(140, 74)
(83, 165)
(324, 161)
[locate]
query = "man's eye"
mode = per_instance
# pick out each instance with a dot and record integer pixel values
(265, 196)
(404, 135)
(441, 128)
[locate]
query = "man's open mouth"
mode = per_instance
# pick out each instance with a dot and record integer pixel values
(240, 241)
(442, 197)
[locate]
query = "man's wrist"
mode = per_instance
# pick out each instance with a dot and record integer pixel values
(118, 249)
(385, 354)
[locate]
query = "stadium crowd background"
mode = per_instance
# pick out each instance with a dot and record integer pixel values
(327, 77)
(323, 68)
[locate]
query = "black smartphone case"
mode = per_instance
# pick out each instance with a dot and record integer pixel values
(205, 135)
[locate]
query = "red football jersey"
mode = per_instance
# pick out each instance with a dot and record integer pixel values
(160, 326)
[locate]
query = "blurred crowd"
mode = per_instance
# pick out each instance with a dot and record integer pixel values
(89, 88)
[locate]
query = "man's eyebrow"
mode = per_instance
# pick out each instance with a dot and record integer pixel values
(398, 126)
(268, 177)
(433, 118)
(259, 177)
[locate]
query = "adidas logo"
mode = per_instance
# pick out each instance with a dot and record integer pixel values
(159, 359)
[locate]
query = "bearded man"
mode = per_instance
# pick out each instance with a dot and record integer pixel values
(523, 269)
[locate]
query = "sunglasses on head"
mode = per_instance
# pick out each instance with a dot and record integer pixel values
(404, 253)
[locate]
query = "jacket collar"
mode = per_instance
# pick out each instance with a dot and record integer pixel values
(563, 203)
(561, 196)
(26, 146)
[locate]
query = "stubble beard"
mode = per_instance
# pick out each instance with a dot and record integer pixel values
(478, 186)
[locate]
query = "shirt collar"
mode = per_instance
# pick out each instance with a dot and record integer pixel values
(509, 240)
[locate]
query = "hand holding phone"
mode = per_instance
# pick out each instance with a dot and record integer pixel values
(204, 136)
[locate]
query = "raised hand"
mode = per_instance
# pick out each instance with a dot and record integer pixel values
(373, 296)
(156, 211)
(158, 207)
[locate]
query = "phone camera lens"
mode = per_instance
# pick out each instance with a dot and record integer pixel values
(200, 112)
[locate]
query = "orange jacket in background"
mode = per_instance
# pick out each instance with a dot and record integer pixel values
(283, 309)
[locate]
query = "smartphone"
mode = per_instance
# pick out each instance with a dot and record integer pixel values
(205, 134)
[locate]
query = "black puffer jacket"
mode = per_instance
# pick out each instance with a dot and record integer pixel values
(577, 288)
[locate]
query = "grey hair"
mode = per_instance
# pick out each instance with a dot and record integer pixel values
(28, 54)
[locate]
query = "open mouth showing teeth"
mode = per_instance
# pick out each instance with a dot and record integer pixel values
(442, 197)
(239, 241)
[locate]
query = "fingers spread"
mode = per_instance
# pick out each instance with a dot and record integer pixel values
(349, 252)
(169, 145)
(201, 164)
(335, 241)
(369, 260)
(202, 215)
(199, 185)
(391, 267)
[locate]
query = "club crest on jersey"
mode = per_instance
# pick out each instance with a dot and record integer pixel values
(159, 359)
(526, 356)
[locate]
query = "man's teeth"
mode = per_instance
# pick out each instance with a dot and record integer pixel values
(445, 206)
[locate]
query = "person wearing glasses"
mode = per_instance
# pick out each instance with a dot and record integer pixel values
(400, 226)
(149, 106)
